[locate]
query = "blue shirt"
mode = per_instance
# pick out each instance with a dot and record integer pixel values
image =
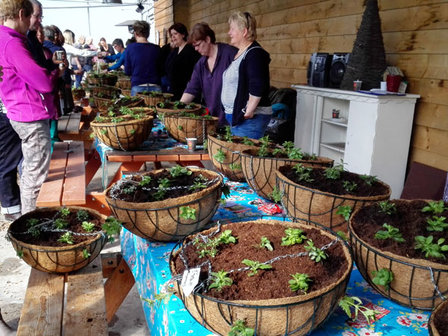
(117, 58)
(142, 62)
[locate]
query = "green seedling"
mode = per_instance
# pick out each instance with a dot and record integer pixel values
(349, 186)
(255, 266)
(220, 156)
(86, 254)
(220, 280)
(436, 207)
(345, 211)
(146, 180)
(239, 329)
(276, 195)
(303, 173)
(293, 236)
(60, 223)
(300, 281)
(390, 233)
(437, 224)
(247, 141)
(314, 252)
(334, 173)
(235, 166)
(20, 253)
(383, 277)
(88, 226)
(64, 212)
(295, 154)
(370, 180)
(387, 207)
(187, 213)
(82, 215)
(227, 238)
(211, 247)
(66, 238)
(429, 248)
(130, 190)
(265, 243)
(111, 227)
(228, 134)
(342, 235)
(177, 171)
(349, 302)
(180, 128)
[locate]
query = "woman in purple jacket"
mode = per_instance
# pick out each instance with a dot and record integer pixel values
(245, 89)
(23, 92)
(207, 73)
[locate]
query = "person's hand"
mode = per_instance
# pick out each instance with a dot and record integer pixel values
(77, 72)
(248, 115)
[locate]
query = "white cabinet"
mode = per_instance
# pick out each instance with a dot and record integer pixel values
(372, 135)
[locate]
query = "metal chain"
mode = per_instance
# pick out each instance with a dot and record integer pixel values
(431, 272)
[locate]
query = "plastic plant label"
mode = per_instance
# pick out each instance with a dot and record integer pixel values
(190, 279)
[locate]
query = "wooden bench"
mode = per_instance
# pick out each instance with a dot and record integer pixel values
(77, 303)
(76, 127)
(66, 180)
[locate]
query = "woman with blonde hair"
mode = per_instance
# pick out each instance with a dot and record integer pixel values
(23, 92)
(245, 88)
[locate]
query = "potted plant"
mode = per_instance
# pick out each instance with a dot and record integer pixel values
(259, 165)
(122, 128)
(60, 239)
(326, 196)
(275, 277)
(224, 151)
(400, 249)
(153, 97)
(101, 78)
(166, 204)
(177, 106)
(437, 322)
(183, 125)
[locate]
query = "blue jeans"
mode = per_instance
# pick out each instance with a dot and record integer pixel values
(252, 128)
(142, 88)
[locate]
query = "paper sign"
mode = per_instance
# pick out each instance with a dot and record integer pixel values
(190, 279)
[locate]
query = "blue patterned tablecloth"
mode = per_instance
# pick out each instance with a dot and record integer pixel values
(149, 264)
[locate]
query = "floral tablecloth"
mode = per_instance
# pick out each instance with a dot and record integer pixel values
(149, 264)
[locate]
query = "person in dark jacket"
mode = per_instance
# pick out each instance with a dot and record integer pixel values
(245, 88)
(181, 61)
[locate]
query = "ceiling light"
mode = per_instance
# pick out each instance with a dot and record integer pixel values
(140, 8)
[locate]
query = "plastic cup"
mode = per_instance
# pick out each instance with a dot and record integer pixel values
(357, 85)
(191, 143)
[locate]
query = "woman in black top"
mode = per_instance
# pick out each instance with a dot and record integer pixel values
(180, 62)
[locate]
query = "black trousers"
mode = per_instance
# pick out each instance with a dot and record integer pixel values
(10, 157)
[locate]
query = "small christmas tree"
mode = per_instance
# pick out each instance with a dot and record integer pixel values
(368, 59)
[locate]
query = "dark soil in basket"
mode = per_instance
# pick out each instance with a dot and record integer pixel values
(131, 190)
(409, 219)
(20, 228)
(176, 105)
(278, 154)
(322, 183)
(271, 283)
(241, 140)
(440, 321)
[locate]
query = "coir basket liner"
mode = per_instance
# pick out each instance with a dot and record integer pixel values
(295, 315)
(160, 220)
(181, 128)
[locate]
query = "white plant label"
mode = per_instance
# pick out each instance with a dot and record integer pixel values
(190, 279)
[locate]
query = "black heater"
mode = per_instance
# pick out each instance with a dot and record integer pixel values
(318, 69)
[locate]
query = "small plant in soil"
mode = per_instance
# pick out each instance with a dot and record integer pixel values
(437, 223)
(254, 266)
(435, 207)
(293, 236)
(66, 238)
(220, 156)
(334, 173)
(347, 303)
(235, 166)
(370, 180)
(276, 195)
(187, 213)
(390, 233)
(247, 141)
(239, 329)
(383, 277)
(300, 281)
(209, 246)
(387, 207)
(228, 134)
(314, 252)
(220, 280)
(429, 248)
(303, 173)
(265, 243)
(345, 211)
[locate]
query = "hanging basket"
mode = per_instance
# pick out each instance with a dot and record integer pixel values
(438, 319)
(417, 283)
(259, 172)
(53, 259)
(170, 108)
(317, 207)
(78, 94)
(124, 83)
(102, 79)
(104, 91)
(231, 165)
(161, 220)
(295, 315)
(103, 103)
(126, 135)
(181, 127)
(153, 97)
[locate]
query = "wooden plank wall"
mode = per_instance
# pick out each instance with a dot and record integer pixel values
(415, 38)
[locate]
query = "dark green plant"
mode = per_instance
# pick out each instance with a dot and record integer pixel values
(387, 207)
(187, 213)
(334, 173)
(129, 190)
(349, 186)
(180, 128)
(64, 212)
(349, 302)
(235, 166)
(316, 254)
(228, 134)
(248, 141)
(199, 183)
(220, 156)
(436, 207)
(303, 173)
(66, 238)
(111, 227)
(342, 235)
(86, 254)
(220, 280)
(437, 223)
(292, 237)
(265, 243)
(390, 233)
(383, 277)
(255, 266)
(345, 211)
(429, 248)
(177, 171)
(210, 248)
(263, 150)
(300, 281)
(82, 215)
(145, 180)
(370, 180)
(276, 195)
(33, 227)
(60, 223)
(88, 226)
(239, 329)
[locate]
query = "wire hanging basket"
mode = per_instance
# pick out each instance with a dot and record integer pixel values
(438, 319)
(162, 220)
(183, 127)
(296, 315)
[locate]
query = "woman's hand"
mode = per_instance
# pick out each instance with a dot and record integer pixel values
(248, 115)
